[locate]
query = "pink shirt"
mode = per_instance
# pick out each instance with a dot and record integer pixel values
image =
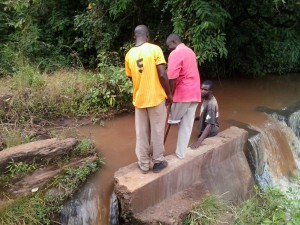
(182, 65)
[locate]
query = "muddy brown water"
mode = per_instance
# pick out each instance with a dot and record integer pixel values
(237, 101)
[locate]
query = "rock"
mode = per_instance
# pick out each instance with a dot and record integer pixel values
(38, 151)
(33, 190)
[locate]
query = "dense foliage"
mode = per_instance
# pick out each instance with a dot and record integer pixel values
(249, 37)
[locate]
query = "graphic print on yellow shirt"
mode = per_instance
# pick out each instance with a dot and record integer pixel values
(140, 65)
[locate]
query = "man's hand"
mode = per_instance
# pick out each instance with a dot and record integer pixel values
(196, 144)
(169, 100)
(163, 79)
(204, 135)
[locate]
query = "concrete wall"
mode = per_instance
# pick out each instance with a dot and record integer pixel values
(218, 166)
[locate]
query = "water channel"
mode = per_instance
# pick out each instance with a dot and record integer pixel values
(238, 100)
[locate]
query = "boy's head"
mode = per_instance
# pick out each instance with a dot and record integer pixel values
(173, 41)
(206, 89)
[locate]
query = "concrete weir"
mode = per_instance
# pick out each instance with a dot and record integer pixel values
(218, 166)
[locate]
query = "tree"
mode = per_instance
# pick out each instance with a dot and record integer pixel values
(263, 36)
(250, 36)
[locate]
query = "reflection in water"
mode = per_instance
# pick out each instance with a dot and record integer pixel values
(237, 101)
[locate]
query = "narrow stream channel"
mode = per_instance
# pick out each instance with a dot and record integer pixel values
(237, 100)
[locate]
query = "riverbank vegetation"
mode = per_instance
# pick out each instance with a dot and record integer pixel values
(34, 106)
(43, 203)
(34, 96)
(43, 207)
(30, 102)
(64, 59)
(251, 37)
(263, 207)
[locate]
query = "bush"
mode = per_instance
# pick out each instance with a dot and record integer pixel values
(8, 59)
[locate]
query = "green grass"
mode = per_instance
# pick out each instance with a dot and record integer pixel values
(28, 210)
(84, 147)
(20, 168)
(208, 212)
(14, 170)
(70, 179)
(13, 136)
(4, 87)
(42, 207)
(270, 207)
(80, 93)
(38, 97)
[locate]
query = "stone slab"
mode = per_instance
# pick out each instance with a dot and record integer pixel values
(37, 151)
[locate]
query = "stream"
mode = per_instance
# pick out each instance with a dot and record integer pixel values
(274, 154)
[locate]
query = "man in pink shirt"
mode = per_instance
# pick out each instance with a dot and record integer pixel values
(184, 80)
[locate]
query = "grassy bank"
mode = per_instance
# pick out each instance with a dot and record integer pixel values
(43, 206)
(29, 103)
(36, 97)
(30, 100)
(269, 207)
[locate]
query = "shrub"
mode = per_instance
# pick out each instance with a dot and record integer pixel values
(8, 59)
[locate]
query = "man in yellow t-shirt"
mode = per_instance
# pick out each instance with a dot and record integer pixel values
(145, 66)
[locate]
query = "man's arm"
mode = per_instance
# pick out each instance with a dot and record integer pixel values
(127, 70)
(204, 135)
(164, 82)
(172, 83)
(174, 68)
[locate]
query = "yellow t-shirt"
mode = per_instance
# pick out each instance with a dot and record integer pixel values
(140, 65)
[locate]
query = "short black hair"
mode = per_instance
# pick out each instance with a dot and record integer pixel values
(209, 83)
(141, 30)
(174, 37)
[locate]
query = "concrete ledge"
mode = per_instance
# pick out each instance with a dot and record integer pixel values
(218, 166)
